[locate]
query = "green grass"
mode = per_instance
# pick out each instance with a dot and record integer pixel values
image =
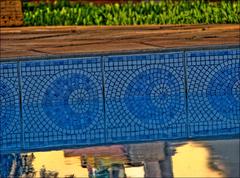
(163, 12)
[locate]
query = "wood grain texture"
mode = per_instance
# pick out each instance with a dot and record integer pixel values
(78, 40)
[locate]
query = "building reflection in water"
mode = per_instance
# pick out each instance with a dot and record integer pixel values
(155, 159)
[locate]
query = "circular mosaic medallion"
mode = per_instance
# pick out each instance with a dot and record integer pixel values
(9, 108)
(154, 95)
(71, 100)
(224, 91)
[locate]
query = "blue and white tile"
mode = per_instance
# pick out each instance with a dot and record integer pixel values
(145, 97)
(10, 131)
(62, 102)
(214, 92)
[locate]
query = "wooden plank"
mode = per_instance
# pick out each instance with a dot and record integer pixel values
(78, 40)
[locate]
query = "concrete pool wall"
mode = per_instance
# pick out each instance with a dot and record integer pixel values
(103, 99)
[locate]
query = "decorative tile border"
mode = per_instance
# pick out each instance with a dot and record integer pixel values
(119, 98)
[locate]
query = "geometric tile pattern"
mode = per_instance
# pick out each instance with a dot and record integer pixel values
(213, 79)
(10, 130)
(145, 97)
(119, 98)
(62, 102)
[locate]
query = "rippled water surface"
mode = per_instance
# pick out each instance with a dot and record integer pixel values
(154, 159)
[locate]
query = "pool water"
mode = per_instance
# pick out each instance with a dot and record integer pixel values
(218, 158)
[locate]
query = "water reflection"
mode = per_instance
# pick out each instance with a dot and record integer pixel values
(193, 160)
(155, 159)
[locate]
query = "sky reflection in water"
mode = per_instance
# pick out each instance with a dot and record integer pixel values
(155, 159)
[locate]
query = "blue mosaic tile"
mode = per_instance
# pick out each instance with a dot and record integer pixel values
(62, 102)
(214, 92)
(145, 97)
(10, 133)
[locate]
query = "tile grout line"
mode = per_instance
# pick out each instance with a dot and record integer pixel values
(186, 91)
(103, 95)
(20, 103)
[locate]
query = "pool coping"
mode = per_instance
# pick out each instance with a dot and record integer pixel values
(192, 37)
(130, 52)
